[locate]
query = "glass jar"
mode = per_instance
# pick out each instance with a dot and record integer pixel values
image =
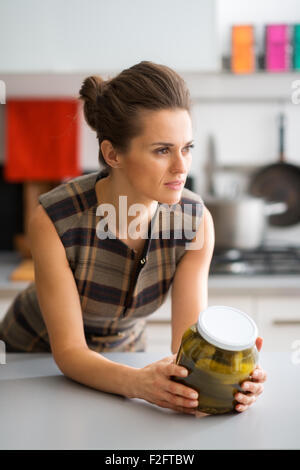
(219, 352)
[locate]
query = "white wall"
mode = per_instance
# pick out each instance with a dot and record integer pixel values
(80, 35)
(246, 133)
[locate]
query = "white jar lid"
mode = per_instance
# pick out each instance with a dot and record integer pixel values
(227, 328)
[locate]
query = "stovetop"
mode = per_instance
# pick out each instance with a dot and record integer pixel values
(284, 260)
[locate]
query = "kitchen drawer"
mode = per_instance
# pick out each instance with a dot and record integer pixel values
(163, 313)
(159, 337)
(279, 322)
(242, 302)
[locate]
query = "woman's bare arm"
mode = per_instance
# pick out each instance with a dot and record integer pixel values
(60, 306)
(189, 289)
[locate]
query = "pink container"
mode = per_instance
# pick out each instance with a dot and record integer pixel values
(277, 48)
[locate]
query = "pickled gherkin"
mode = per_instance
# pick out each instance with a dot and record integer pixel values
(215, 373)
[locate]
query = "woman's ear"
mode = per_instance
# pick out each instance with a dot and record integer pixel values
(110, 155)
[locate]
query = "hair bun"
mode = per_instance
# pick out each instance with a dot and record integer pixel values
(89, 93)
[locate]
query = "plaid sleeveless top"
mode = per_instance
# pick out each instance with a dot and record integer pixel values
(117, 291)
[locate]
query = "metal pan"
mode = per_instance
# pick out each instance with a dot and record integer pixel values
(279, 182)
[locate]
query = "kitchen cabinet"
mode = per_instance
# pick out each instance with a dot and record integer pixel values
(241, 302)
(107, 36)
(279, 322)
(275, 309)
(159, 337)
(158, 329)
(159, 332)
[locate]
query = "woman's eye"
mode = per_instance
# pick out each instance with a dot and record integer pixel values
(166, 148)
(161, 150)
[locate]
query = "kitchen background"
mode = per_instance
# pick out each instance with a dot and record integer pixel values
(239, 118)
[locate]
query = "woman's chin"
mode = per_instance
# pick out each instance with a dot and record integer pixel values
(174, 199)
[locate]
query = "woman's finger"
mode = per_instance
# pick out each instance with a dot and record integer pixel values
(201, 414)
(259, 375)
(179, 400)
(253, 387)
(240, 407)
(180, 409)
(245, 399)
(178, 389)
(175, 369)
(195, 412)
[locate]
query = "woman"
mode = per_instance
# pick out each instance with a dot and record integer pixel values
(94, 288)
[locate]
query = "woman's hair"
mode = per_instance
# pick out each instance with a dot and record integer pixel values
(113, 108)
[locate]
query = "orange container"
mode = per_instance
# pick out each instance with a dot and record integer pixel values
(242, 47)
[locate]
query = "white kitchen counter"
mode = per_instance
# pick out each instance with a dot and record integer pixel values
(258, 283)
(41, 409)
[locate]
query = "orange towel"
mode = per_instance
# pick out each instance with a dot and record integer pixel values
(41, 140)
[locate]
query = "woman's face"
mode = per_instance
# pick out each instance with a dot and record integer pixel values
(160, 155)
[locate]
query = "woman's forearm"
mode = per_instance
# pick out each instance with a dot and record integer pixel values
(94, 370)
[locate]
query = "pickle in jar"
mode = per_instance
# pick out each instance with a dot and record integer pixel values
(215, 370)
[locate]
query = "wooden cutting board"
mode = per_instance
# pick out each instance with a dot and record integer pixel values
(24, 272)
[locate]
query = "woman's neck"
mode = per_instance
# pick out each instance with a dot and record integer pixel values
(114, 191)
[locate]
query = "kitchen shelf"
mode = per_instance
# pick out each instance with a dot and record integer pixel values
(225, 86)
(219, 86)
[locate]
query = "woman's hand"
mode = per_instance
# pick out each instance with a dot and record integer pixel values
(252, 388)
(155, 386)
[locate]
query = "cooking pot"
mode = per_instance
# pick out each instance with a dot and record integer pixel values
(241, 222)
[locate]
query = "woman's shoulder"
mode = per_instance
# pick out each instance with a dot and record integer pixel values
(66, 203)
(71, 196)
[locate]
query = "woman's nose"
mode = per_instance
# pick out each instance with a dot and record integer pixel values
(179, 163)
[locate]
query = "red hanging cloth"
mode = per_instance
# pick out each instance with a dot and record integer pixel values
(42, 140)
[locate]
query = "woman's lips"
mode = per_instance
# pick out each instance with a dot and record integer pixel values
(175, 186)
